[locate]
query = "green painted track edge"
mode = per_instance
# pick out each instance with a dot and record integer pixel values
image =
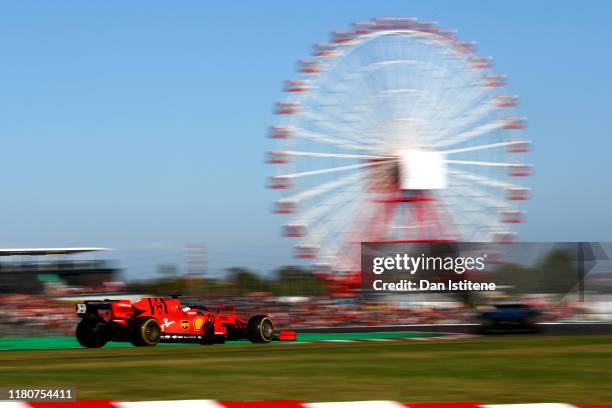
(68, 342)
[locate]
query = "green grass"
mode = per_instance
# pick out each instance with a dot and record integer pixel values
(490, 370)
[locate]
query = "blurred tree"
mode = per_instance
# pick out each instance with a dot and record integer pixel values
(167, 269)
(245, 280)
(288, 281)
(558, 272)
(295, 281)
(517, 279)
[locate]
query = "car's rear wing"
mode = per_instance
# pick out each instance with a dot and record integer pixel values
(92, 307)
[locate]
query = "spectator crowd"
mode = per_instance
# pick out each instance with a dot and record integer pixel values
(44, 315)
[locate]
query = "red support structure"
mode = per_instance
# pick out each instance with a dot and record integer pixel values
(433, 224)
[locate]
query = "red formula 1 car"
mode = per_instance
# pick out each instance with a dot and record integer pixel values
(153, 320)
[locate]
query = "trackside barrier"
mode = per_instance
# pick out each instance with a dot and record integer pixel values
(277, 404)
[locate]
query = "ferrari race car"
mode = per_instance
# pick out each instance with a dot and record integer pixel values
(153, 320)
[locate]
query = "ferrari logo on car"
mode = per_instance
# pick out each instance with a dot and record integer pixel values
(184, 324)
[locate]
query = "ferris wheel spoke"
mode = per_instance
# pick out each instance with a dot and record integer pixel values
(330, 231)
(478, 113)
(486, 146)
(445, 88)
(335, 169)
(325, 206)
(480, 130)
(490, 199)
(470, 101)
(318, 137)
(322, 188)
(473, 215)
(381, 98)
(338, 126)
(372, 67)
(321, 230)
(349, 195)
(360, 222)
(449, 114)
(487, 181)
(361, 109)
(486, 164)
(333, 155)
(485, 198)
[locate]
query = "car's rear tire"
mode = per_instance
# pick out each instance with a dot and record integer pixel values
(145, 332)
(530, 325)
(92, 333)
(260, 329)
(208, 335)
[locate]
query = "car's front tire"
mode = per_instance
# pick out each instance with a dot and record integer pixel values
(260, 329)
(92, 333)
(145, 331)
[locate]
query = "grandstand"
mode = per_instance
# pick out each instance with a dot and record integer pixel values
(35, 270)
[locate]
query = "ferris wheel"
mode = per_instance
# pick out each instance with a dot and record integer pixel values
(395, 131)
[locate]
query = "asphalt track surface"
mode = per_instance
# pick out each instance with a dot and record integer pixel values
(548, 329)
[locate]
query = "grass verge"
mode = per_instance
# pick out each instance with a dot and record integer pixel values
(490, 370)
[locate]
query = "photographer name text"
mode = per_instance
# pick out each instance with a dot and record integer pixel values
(421, 285)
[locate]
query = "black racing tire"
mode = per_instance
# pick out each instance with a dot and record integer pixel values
(486, 326)
(260, 329)
(530, 326)
(92, 333)
(145, 332)
(208, 335)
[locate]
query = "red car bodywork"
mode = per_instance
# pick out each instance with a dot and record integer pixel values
(178, 322)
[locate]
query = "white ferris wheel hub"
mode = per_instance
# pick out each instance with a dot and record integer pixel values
(422, 170)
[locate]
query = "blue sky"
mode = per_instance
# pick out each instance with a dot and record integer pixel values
(141, 125)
